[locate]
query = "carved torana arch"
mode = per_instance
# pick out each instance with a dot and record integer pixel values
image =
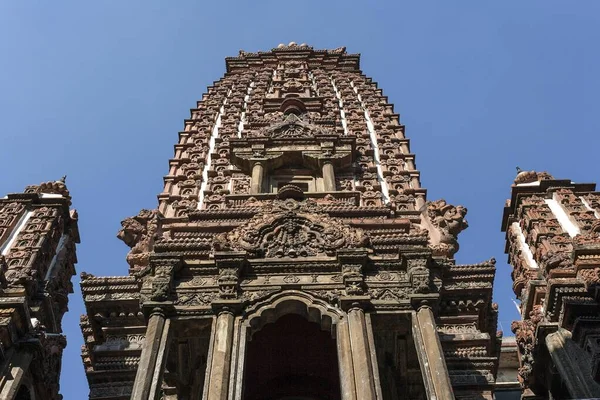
(291, 229)
(292, 302)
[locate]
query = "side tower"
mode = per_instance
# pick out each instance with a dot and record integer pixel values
(553, 243)
(38, 233)
(293, 254)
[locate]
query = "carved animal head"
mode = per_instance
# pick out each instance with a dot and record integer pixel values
(134, 229)
(131, 231)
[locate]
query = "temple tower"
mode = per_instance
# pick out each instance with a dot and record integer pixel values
(38, 233)
(553, 243)
(293, 255)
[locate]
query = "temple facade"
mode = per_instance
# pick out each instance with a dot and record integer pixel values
(38, 233)
(294, 254)
(553, 243)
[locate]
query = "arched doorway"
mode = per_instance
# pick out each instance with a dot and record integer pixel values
(291, 359)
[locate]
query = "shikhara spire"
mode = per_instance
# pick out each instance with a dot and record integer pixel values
(333, 103)
(553, 244)
(293, 209)
(38, 235)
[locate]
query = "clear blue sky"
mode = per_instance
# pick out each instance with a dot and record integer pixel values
(99, 90)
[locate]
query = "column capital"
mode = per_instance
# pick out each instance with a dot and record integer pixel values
(158, 311)
(162, 309)
(233, 307)
(422, 301)
(349, 303)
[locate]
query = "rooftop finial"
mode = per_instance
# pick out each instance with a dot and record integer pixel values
(63, 179)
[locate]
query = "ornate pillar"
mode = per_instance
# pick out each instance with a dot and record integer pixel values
(258, 172)
(361, 353)
(154, 353)
(17, 368)
(345, 365)
(431, 356)
(572, 363)
(218, 371)
(328, 176)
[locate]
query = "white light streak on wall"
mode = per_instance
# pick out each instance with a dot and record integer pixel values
(341, 106)
(371, 128)
(243, 116)
(524, 247)
(211, 147)
(562, 217)
(13, 236)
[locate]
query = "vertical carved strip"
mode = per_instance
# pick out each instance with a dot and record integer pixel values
(374, 367)
(143, 385)
(221, 357)
(344, 352)
(361, 355)
(341, 106)
(374, 142)
(161, 359)
(244, 108)
(432, 357)
(236, 382)
(211, 147)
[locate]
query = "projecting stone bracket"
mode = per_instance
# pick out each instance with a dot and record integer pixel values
(230, 265)
(418, 272)
(352, 263)
(163, 270)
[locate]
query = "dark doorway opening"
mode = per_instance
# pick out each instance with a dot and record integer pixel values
(291, 358)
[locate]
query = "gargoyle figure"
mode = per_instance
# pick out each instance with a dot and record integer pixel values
(140, 233)
(449, 219)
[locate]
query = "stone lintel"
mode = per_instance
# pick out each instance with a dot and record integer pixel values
(230, 259)
(354, 256)
(158, 260)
